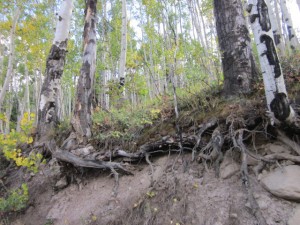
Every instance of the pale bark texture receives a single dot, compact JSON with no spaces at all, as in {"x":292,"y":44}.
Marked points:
{"x":298,"y":3}
{"x":277,"y":14}
{"x":82,"y":119}
{"x":234,"y":42}
{"x":27,"y":91}
{"x":106,"y":73}
{"x":11,"y":57}
{"x":49,"y":112}
{"x":196,"y":22}
{"x":123,"y":41}
{"x":276,"y":28}
{"x":275,"y":90}
{"x":293,"y":41}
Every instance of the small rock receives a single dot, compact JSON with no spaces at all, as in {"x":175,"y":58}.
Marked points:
{"x":62,"y":183}
{"x":248,"y":205}
{"x":228,"y":167}
{"x":218,"y":223}
{"x":233,"y":215}
{"x":284,"y":183}
{"x":259,"y":177}
{"x":263,"y":204}
{"x":295,"y":219}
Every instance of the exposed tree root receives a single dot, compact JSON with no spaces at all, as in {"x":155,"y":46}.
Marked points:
{"x":203,"y":147}
{"x":293,"y":145}
{"x":77,"y":161}
{"x":245,"y":178}
{"x":214,"y":147}
{"x":206,"y":126}
{"x":152,"y":169}
{"x":283,"y":156}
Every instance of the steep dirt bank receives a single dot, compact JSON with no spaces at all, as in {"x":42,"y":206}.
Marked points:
{"x":183,"y":193}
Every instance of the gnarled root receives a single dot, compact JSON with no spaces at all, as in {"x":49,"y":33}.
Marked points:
{"x":213,"y":122}
{"x":245,"y":178}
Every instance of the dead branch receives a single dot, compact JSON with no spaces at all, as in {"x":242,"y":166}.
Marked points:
{"x":77,"y":161}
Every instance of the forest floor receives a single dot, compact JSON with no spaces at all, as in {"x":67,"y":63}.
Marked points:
{"x":183,"y":193}
{"x":173,"y":188}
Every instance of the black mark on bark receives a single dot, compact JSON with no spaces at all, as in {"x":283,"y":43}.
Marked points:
{"x":271,"y":54}
{"x":276,"y":38}
{"x":280,"y":106}
{"x":264,"y":19}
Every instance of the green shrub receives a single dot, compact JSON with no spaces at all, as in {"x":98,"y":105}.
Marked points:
{"x":9,"y":143}
{"x":16,"y":200}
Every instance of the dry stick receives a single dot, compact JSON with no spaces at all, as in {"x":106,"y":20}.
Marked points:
{"x":207,"y":125}
{"x":245,"y":178}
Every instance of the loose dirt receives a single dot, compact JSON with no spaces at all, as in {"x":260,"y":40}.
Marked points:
{"x":182,"y":192}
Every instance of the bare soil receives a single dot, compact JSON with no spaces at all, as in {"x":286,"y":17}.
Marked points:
{"x":183,"y":192}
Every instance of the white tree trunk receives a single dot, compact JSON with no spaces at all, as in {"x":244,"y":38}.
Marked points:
{"x":50,"y":105}
{"x":37,"y":91}
{"x":9,"y":105}
{"x":293,"y":41}
{"x":106,"y":77}
{"x":123,"y":41}
{"x":1,"y":58}
{"x":11,"y":56}
{"x":275,"y":90}
{"x":298,"y":3}
{"x":27,"y":92}
{"x":276,"y":28}
{"x":196,"y":22}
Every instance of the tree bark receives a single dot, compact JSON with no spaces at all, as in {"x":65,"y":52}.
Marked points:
{"x":49,"y":113}
{"x":276,"y":28}
{"x":279,"y":26}
{"x":276,"y":94}
{"x":234,"y":43}
{"x":11,"y":57}
{"x":27,"y":91}
{"x":293,"y":41}
{"x":81,"y":120}
{"x":298,"y":3}
{"x":123,"y":41}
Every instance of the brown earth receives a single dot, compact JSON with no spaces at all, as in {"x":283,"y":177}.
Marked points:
{"x":183,"y":192}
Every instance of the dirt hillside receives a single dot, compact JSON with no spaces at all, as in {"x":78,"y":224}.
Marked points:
{"x":183,"y":192}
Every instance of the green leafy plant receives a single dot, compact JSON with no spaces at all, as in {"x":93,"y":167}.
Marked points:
{"x":16,"y":200}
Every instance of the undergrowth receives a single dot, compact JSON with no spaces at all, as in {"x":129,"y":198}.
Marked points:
{"x":15,"y":200}
{"x":9,"y":145}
